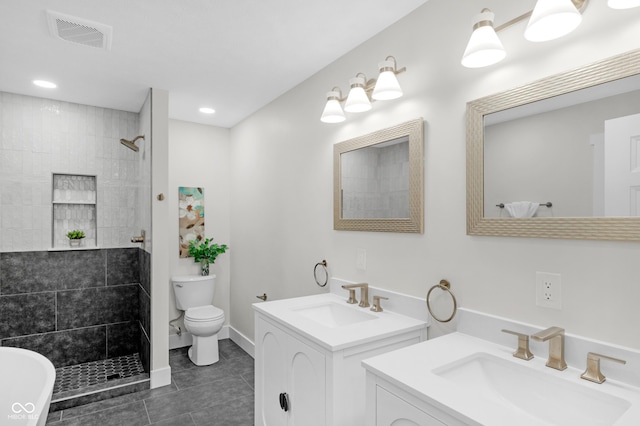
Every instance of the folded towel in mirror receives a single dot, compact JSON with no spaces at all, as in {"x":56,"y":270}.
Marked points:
{"x":521,"y":208}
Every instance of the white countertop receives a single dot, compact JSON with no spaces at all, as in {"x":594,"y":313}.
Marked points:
{"x":384,"y":325}
{"x":411,"y":369}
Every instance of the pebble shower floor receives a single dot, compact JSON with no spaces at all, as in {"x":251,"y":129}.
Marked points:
{"x":96,"y":372}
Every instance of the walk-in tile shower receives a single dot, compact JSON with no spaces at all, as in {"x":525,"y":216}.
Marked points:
{"x":87,"y":309}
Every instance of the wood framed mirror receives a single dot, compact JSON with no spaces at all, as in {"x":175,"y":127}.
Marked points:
{"x":601,"y":222}
{"x":379,"y":180}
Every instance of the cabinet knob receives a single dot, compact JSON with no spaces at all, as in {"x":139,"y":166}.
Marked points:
{"x":284,"y":401}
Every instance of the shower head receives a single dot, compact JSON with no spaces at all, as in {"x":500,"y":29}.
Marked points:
{"x":132,"y":144}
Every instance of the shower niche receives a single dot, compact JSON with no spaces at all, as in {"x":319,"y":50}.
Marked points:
{"x":74,"y":199}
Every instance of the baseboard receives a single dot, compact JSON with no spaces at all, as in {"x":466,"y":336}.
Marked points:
{"x":243,"y":341}
{"x":160,"y":377}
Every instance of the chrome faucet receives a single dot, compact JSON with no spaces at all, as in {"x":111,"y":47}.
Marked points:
{"x":364,"y":294}
{"x":555,"y":336}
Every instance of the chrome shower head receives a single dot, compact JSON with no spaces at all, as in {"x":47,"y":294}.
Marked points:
{"x":132,"y":144}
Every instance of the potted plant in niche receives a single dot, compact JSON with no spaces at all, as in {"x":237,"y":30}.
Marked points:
{"x":205,"y":252}
{"x":75,"y":237}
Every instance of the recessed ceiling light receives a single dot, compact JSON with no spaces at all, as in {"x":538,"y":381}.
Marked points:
{"x":45,"y":84}
{"x":207,"y":110}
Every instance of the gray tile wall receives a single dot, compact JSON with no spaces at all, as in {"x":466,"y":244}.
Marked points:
{"x":144,"y":309}
{"x":76,"y":306}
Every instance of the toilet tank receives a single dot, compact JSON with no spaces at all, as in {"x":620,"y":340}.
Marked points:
{"x":193,"y":290}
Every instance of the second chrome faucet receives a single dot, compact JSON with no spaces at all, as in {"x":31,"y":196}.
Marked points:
{"x":555,"y":336}
{"x":364,"y":294}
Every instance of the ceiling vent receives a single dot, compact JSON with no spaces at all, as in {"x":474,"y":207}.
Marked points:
{"x":80,"y":31}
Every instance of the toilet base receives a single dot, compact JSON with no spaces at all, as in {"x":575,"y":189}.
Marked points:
{"x":204,"y":350}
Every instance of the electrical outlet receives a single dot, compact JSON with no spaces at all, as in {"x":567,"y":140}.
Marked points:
{"x":361,"y":259}
{"x":548,"y":290}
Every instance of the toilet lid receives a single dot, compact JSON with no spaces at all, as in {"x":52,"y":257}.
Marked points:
{"x":204,"y":313}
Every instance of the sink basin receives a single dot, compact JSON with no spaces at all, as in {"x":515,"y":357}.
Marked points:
{"x":334,"y":315}
{"x":548,"y":398}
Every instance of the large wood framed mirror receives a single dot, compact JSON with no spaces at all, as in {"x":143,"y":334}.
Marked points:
{"x":586,"y":183}
{"x":379,"y":180}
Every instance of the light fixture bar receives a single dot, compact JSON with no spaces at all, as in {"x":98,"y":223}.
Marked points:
{"x":363,"y":91}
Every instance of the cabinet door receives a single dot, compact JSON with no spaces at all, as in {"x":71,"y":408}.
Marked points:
{"x":393,"y":411}
{"x":306,"y":385}
{"x":271,"y":374}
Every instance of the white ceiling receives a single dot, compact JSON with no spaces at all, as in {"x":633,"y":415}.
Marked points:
{"x":233,"y":55}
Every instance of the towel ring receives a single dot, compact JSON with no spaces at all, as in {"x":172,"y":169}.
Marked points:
{"x":444,"y":285}
{"x":326,"y":273}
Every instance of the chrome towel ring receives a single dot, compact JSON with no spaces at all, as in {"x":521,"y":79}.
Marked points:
{"x":326,"y":273}
{"x":443,"y":285}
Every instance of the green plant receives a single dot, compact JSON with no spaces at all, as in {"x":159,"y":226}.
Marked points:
{"x":205,"y":250}
{"x":75,"y":235}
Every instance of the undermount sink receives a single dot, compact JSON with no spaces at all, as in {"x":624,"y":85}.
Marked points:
{"x":334,"y":315}
{"x":548,"y":398}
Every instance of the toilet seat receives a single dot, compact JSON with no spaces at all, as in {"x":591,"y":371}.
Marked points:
{"x":203,"y":313}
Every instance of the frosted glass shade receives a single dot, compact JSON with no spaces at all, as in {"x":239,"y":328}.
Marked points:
{"x":552,"y":19}
{"x":357,"y":101}
{"x":623,"y":4}
{"x":332,"y":112}
{"x":387,"y":86}
{"x":484,"y":47}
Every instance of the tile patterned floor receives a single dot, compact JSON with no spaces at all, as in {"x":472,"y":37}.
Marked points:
{"x":217,"y":395}
{"x":96,"y":372}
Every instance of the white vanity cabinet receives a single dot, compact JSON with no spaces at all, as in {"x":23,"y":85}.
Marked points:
{"x":288,"y":369}
{"x":389,"y":405}
{"x":323,"y":379}
{"x":392,"y":410}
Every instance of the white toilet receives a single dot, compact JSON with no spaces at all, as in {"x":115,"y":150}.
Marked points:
{"x":194,"y":295}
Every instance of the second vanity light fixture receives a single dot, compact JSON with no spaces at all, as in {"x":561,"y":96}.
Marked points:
{"x":363,"y":91}
{"x":549,"y":19}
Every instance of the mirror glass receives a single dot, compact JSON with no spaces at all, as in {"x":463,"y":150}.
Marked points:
{"x":560,"y":157}
{"x":573,"y":155}
{"x":374,"y":181}
{"x":378,"y":180}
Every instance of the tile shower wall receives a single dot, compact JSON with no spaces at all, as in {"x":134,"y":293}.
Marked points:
{"x":40,"y":137}
{"x":76,"y":306}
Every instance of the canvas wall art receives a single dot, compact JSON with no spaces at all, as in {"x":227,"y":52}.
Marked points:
{"x":191,"y":222}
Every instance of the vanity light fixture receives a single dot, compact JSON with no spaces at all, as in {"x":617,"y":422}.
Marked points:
{"x":362,"y":91}
{"x":332,"y":110}
{"x":549,"y":19}
{"x":387,"y":86}
{"x":552,"y":19}
{"x":623,"y":4}
{"x":484,"y":47}
{"x":45,"y":84}
{"x":358,"y":99}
